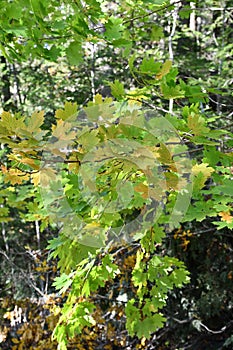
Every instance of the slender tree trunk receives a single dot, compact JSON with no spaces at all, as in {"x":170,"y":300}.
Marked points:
{"x":37,"y":228}
{"x":4,"y":236}
{"x":6,"y":93}
{"x":172,"y":29}
{"x":192,"y":18}
{"x":92,"y":70}
{"x":17,"y":85}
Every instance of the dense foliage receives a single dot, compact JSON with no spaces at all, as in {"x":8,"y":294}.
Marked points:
{"x":116,"y":175}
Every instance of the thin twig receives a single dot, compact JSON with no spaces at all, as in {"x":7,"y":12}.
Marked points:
{"x":152,"y":12}
{"x":29,"y":282}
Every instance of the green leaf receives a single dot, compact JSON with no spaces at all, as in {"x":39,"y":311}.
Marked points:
{"x":185,"y":12}
{"x":126,"y":43}
{"x":225,"y":189}
{"x":180,"y":277}
{"x":74,"y":53}
{"x":114,"y":28}
{"x":156,"y":2}
{"x":199,"y":211}
{"x":171,"y":91}
{"x":13,"y":10}
{"x":86,"y":288}
{"x":149,"y":66}
{"x":63,"y":282}
{"x":117,"y":89}
{"x":125,"y":192}
{"x":156,"y":33}
{"x":69,"y":111}
{"x":150,"y":325}
{"x":222,"y":224}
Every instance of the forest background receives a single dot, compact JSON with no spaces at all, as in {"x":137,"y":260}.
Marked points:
{"x":81,"y":83}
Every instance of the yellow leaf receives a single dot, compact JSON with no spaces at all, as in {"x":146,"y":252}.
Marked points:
{"x":35,"y":121}
{"x":136,"y":96}
{"x":165,"y":156}
{"x":165,"y":69}
{"x":27,"y":335}
{"x":143,"y":341}
{"x":15,"y":340}
{"x":202,"y":168}
{"x":73,"y":164}
{"x":63,"y":132}
{"x":31,"y":162}
{"x":14,"y":176}
{"x":197,"y":125}
{"x":172,"y":180}
{"x":226,"y":216}
{"x":185,"y":243}
{"x":98,"y":99}
{"x":92,"y":225}
{"x":35,"y":177}
{"x":201,"y":173}
{"x":3,"y":334}
{"x":12,"y":123}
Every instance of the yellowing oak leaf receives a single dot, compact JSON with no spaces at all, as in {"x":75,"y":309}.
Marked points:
{"x":201,"y":173}
{"x":196,"y":125}
{"x":12,"y":123}
{"x":31,"y":162}
{"x":69,"y":111}
{"x":14,"y":176}
{"x":165,"y":69}
{"x":35,"y":178}
{"x":35,"y":121}
{"x":63,"y":133}
{"x":47,"y":175}
{"x":172,"y":180}
{"x":24,"y":160}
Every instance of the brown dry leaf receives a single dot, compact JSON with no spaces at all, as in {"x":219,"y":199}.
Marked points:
{"x":3,"y":334}
{"x":143,"y":189}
